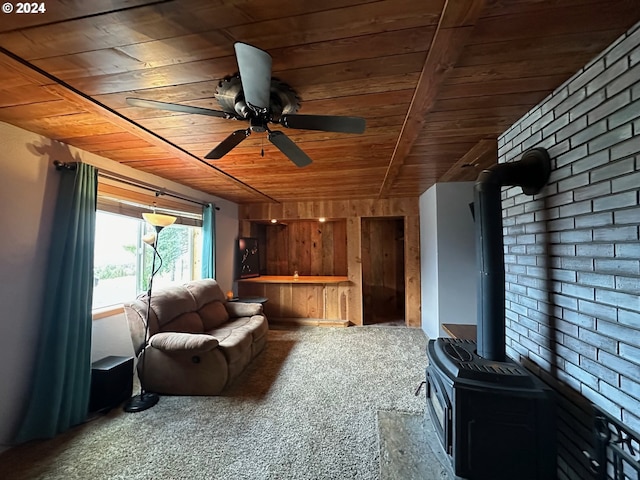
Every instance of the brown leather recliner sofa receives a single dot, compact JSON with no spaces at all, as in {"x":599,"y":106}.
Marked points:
{"x":198,"y":341}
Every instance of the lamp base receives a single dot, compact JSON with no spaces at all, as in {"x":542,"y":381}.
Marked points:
{"x":139,"y":403}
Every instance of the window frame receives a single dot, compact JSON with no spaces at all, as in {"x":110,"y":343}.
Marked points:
{"x":128,"y":200}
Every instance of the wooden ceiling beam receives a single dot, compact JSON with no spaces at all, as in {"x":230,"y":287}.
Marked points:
{"x":456,"y":24}
{"x":481,"y":155}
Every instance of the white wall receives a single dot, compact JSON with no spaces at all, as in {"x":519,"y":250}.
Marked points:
{"x":28,"y":186}
{"x":447,"y":250}
{"x":429,"y":263}
{"x":110,"y":336}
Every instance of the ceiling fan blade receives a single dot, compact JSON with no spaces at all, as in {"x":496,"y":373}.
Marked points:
{"x":290,"y":149}
{"x":228,"y":144}
{"x":326,"y":123}
{"x":176,"y":107}
{"x":255,"y":74}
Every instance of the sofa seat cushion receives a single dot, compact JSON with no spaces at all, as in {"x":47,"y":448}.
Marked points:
{"x":237,"y":335}
{"x":241,"y":309}
{"x":178,"y":342}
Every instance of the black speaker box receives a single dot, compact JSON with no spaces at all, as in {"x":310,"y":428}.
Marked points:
{"x":111,"y":382}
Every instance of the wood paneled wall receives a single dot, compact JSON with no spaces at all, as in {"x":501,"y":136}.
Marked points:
{"x":308,"y":246}
{"x":353,"y":211}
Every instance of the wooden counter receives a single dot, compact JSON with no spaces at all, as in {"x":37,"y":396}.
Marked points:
{"x":322,"y":299}
{"x":459,"y":330}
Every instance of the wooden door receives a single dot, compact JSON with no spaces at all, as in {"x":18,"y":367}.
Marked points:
{"x":383,"y":289}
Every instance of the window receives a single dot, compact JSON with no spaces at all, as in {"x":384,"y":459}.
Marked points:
{"x":122,"y":261}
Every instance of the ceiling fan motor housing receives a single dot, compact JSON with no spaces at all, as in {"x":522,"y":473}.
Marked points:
{"x":229,"y":94}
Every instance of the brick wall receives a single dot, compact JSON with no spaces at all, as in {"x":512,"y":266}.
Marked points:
{"x":572,"y":253}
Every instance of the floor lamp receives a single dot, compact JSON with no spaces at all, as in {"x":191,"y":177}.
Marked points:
{"x":145,"y":399}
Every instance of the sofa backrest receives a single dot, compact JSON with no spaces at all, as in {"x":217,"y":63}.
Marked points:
{"x":209,"y":302}
{"x":194,"y":307}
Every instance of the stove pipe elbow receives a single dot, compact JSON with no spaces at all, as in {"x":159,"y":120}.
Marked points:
{"x":531,"y":173}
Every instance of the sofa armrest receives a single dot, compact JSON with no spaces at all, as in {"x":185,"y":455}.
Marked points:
{"x":240,"y":309}
{"x":180,"y":342}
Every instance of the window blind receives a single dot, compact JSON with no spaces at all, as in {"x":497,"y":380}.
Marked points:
{"x":133,"y":202}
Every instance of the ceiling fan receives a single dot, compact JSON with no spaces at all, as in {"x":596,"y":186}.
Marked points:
{"x":252,"y":95}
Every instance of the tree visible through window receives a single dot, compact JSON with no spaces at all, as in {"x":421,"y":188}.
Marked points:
{"x":122,"y":261}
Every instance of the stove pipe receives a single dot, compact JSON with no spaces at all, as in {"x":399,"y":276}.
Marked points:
{"x":531,"y":173}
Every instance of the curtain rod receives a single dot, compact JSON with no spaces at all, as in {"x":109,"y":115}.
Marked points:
{"x":65,"y":165}
{"x":151,"y":188}
{"x":134,"y":183}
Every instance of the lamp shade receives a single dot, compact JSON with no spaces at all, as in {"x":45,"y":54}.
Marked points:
{"x":149,"y":238}
{"x":158,"y":219}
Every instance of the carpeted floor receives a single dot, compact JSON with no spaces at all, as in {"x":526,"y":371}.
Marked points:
{"x":307,"y":408}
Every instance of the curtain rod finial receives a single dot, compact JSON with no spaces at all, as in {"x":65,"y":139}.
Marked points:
{"x":64,"y":166}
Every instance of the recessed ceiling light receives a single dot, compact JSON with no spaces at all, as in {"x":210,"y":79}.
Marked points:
{"x":322,"y":219}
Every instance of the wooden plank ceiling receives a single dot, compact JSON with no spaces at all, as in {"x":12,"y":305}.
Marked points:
{"x":437,"y":82}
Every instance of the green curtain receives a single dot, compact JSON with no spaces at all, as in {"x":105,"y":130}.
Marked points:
{"x":59,"y":396}
{"x":208,"y":241}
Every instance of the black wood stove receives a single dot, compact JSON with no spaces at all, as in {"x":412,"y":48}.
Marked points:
{"x":494,"y":418}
